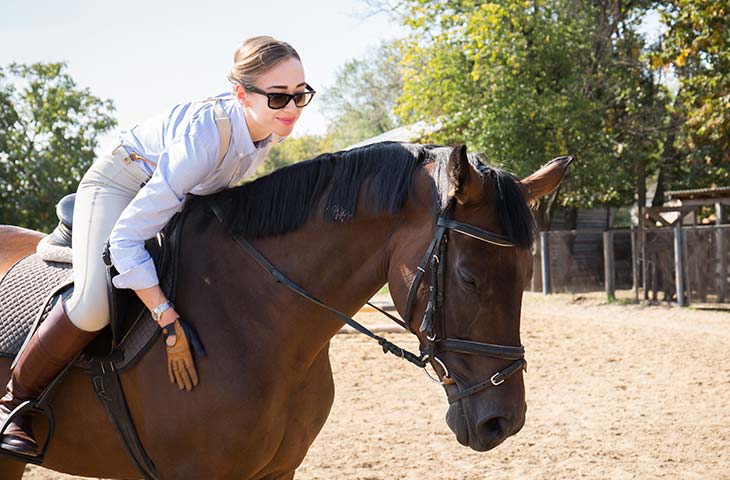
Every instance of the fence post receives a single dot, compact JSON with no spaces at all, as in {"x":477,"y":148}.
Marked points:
{"x":634,"y":267}
{"x":545,"y":250}
{"x":608,"y":265}
{"x":721,"y":263}
{"x":679,"y":265}
{"x":536,"y":283}
{"x":642,"y":245}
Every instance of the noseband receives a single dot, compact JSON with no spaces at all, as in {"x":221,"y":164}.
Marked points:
{"x":433,"y":323}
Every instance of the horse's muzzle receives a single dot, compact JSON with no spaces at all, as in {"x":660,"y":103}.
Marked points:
{"x":485,"y":433}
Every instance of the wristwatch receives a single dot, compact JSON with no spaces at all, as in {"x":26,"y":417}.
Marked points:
{"x":160,"y":309}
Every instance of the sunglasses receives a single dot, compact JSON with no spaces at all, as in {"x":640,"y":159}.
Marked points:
{"x":278,"y":101}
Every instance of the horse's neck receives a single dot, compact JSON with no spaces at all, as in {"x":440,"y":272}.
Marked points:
{"x":342,"y":265}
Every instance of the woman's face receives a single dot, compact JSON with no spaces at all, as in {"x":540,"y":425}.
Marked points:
{"x":287,"y":77}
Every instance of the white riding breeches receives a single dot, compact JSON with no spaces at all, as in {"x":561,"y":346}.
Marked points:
{"x":104,"y":192}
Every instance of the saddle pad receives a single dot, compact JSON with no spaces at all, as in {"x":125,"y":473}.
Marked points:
{"x":30,"y":286}
{"x":25,"y":290}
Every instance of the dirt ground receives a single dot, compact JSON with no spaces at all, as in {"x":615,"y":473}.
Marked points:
{"x":614,"y":392}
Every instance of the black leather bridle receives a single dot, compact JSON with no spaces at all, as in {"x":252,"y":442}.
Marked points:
{"x":433,"y":323}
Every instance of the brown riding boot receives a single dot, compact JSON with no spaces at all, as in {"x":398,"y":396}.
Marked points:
{"x":56,"y":342}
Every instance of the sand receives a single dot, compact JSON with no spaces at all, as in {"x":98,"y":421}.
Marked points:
{"x":614,"y":391}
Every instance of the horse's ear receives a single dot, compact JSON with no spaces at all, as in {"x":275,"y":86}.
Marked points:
{"x":546,"y":179}
{"x":465,"y":182}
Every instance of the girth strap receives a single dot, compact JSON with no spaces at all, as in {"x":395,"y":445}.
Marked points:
{"x":105,"y":381}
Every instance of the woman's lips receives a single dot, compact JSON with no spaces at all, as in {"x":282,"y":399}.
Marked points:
{"x":287,"y":121}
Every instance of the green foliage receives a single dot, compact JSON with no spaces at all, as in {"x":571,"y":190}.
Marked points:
{"x":293,"y":150}
{"x":48,"y":131}
{"x":360,"y":104}
{"x":696,"y":47}
{"x":362,"y":98}
{"x":525,"y":81}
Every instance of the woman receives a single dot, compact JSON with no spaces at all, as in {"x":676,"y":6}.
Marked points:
{"x":129,"y":195}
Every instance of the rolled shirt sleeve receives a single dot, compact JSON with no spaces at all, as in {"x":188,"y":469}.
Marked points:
{"x":181,"y":166}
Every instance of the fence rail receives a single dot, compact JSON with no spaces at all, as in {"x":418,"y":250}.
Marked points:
{"x":642,"y":264}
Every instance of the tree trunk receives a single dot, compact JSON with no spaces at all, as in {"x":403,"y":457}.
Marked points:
{"x":669,"y":158}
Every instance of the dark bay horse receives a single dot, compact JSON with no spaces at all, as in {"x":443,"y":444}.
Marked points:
{"x":341,"y":225}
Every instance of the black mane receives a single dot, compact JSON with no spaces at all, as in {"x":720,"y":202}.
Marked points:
{"x":283,"y":200}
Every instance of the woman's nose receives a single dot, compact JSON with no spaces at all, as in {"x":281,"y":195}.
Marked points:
{"x":290,"y":107}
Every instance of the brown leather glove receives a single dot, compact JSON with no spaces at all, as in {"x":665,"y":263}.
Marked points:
{"x":180,"y":364}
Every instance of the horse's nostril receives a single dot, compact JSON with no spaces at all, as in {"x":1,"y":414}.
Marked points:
{"x":494,"y":429}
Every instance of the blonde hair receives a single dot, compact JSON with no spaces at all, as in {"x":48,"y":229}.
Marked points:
{"x":258,"y":55}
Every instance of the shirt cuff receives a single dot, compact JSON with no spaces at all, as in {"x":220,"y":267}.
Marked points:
{"x":139,"y":277}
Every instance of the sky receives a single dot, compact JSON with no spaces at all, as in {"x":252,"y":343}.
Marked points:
{"x":150,"y":55}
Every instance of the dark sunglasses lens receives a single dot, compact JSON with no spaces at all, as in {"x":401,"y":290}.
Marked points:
{"x":303,"y":99}
{"x":278,"y":100}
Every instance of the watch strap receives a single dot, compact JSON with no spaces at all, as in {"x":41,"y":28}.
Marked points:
{"x":160,"y":309}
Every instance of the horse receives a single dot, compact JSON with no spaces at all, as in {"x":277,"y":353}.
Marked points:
{"x":340,"y":225}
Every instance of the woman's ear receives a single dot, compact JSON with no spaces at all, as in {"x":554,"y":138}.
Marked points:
{"x":241,"y":96}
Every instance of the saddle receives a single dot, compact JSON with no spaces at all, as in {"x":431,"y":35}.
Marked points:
{"x":31,"y":287}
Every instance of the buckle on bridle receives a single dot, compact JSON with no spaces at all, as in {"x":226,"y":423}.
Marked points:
{"x":495,"y":376}
{"x":446,"y":379}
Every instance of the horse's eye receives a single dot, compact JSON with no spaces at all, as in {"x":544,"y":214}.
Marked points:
{"x":466,"y":280}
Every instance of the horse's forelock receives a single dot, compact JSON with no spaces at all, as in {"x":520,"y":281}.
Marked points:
{"x":513,"y":212}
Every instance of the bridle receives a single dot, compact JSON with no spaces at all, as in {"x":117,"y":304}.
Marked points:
{"x":433,"y":323}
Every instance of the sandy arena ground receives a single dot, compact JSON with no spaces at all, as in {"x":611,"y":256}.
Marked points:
{"x":614,"y":392}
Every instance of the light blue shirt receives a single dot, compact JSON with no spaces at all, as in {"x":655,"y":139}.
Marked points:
{"x":185,"y":145}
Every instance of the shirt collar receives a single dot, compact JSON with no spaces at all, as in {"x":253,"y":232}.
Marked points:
{"x":263,"y":143}
{"x":241,"y":136}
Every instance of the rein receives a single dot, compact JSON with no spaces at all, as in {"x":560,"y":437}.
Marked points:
{"x":437,"y":342}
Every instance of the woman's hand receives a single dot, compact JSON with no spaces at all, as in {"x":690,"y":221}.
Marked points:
{"x":180,"y":365}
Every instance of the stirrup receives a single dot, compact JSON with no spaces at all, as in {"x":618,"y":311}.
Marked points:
{"x":39,"y":406}
{"x":34,"y":408}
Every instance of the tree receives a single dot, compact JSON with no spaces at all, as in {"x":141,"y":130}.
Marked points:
{"x":293,"y":150}
{"x":361,"y":101}
{"x":696,"y":48}
{"x":527,"y":80}
{"x":48,"y":131}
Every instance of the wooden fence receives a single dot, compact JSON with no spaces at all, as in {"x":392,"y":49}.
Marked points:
{"x":679,"y":264}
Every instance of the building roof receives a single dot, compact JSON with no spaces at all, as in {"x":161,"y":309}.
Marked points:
{"x":699,"y":193}
{"x":406,"y":133}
